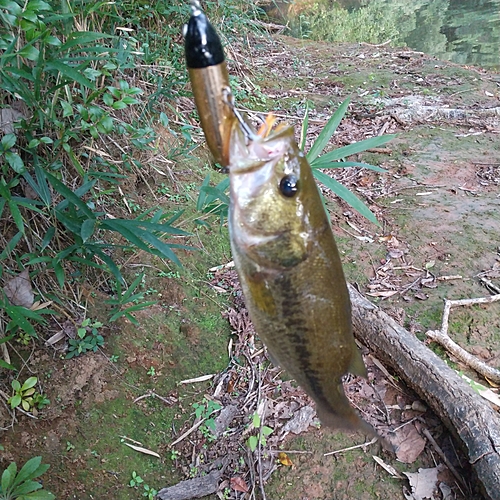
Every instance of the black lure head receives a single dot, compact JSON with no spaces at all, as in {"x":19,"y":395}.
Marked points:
{"x":201,"y":43}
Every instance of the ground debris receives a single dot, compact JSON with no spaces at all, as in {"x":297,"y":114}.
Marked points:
{"x":259,"y":409}
{"x":424,"y":483}
{"x":192,"y":488}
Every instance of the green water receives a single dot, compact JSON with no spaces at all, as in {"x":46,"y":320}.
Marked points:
{"x":462,"y":31}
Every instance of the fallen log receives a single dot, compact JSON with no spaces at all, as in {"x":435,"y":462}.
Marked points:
{"x":192,"y":488}
{"x":470,"y":418}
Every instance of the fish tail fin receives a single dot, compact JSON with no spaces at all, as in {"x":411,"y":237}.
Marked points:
{"x":350,"y":422}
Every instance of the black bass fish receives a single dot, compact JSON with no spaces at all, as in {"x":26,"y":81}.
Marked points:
{"x":290,"y":270}
{"x":283,"y":248}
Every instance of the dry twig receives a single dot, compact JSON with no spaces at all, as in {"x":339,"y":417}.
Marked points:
{"x":441,"y":336}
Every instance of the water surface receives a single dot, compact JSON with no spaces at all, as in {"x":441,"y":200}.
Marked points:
{"x":463,"y":31}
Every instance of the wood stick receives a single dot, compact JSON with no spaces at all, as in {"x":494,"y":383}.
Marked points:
{"x":461,"y":409}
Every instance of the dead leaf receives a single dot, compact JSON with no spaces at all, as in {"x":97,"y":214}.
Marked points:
{"x":408,"y":443}
{"x":239,"y":484}
{"x":388,"y":293}
{"x":284,"y":459}
{"x":421,"y":296}
{"x":446,"y":491}
{"x":301,"y":420}
{"x":8,"y":116}
{"x":424,"y":482}
{"x":18,"y":290}
{"x":143,"y":450}
{"x":395,"y":253}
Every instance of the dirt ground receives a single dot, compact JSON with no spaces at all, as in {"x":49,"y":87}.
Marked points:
{"x":439,"y":208}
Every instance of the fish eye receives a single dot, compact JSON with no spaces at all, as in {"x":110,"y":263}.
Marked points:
{"x":289,"y":186}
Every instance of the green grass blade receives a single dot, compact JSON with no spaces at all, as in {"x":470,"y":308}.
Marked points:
{"x":303,"y":129}
{"x":70,"y":196}
{"x":111,"y":265}
{"x":16,"y":215}
{"x":326,"y":134}
{"x":70,"y":72}
{"x":346,"y":195}
{"x":352,"y":149}
{"x":202,"y":195}
{"x":10,"y":245}
{"x":163,"y":248}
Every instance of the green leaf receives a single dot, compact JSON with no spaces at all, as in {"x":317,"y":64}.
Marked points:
{"x":16,"y":385}
{"x":67,"y":108}
{"x":8,"y":140}
{"x":27,"y":486}
{"x":266,"y":431}
{"x":256,"y":420}
{"x":252,"y":443}
{"x":11,"y":244}
{"x":15,"y":161}
{"x":136,"y":307}
{"x":88,"y":227}
{"x":118,"y":105}
{"x":59,"y":272}
{"x":70,"y":196}
{"x":30,"y":382}
{"x":216,"y":194}
{"x":40,"y":495}
{"x":16,"y":215}
{"x":357,"y":147}
{"x":200,"y":203}
{"x":15,"y":401}
{"x":303,"y":130}
{"x":4,"y":364}
{"x":35,"y":5}
{"x":327,"y":132}
{"x":71,"y":73}
{"x":7,"y":478}
{"x":30,"y":52}
{"x":82,"y":38}
{"x":47,"y":237}
{"x":345,"y":194}
{"x":163,"y":248}
{"x":111,"y":265}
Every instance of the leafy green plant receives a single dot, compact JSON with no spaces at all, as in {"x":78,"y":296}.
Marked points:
{"x":120,"y":307}
{"x":21,"y":320}
{"x":205,"y":411}
{"x":334,"y":159}
{"x":136,"y":480}
{"x":264,"y":431}
{"x":21,"y":485}
{"x":71,"y":83}
{"x":88,"y":339}
{"x":26,"y":396}
{"x":213,"y":200}
{"x":149,"y":493}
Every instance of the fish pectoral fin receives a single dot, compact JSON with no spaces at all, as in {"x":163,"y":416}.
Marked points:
{"x":357,"y":365}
